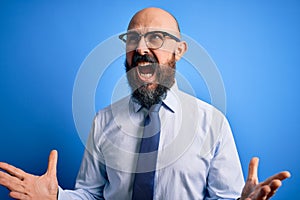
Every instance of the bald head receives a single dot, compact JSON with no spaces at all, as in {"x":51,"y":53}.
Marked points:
{"x":155,"y":18}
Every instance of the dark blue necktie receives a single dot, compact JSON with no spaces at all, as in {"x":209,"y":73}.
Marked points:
{"x":143,"y":185}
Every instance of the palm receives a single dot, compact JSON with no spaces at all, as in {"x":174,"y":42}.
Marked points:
{"x":27,"y":186}
{"x":40,"y":187}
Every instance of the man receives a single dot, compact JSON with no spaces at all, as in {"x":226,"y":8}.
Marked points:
{"x":195,"y":158}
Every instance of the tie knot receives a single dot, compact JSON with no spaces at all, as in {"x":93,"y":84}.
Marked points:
{"x":154,"y":108}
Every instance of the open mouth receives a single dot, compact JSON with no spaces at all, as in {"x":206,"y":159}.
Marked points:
{"x":146,"y":71}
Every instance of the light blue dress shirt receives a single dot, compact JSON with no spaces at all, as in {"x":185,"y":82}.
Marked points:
{"x":197,"y":156}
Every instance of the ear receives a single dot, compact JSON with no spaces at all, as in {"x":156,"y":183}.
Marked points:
{"x":180,"y":50}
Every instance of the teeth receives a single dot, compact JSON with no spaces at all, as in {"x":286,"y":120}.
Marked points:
{"x":146,"y":75}
{"x":143,"y":63}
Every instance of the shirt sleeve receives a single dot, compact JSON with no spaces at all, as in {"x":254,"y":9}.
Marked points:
{"x":91,"y":178}
{"x":225,"y":178}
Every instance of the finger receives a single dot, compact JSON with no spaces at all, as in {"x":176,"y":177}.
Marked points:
{"x":263,"y":192}
{"x":52,"y":163}
{"x":10,"y":182}
{"x":252,"y":170}
{"x":274,"y":185}
{"x":13,"y":170}
{"x":279,"y":176}
{"x":17,"y":195}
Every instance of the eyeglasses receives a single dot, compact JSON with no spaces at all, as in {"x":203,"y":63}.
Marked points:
{"x":154,"y":39}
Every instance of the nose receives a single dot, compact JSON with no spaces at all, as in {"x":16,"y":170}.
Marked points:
{"x":142,"y":48}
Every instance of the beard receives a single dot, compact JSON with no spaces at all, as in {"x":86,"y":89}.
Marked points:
{"x":148,"y":94}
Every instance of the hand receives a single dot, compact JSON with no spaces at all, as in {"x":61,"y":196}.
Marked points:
{"x":26,"y":186}
{"x":253,"y":190}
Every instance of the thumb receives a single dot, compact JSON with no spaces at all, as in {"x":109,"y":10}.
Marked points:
{"x":252,"y":170}
{"x":52,"y":163}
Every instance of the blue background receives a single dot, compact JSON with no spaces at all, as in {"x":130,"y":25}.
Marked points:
{"x":255,"y":45}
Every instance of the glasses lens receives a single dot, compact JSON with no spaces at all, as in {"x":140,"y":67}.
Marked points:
{"x":132,"y":39}
{"x":154,"y":39}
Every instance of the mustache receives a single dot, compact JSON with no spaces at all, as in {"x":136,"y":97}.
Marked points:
{"x":142,"y":58}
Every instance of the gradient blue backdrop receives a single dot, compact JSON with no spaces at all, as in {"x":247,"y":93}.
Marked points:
{"x":255,"y":45}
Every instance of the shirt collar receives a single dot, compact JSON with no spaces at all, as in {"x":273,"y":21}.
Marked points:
{"x":171,"y":100}
{"x":135,"y":105}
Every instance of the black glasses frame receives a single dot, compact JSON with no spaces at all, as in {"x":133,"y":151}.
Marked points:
{"x":165,"y":34}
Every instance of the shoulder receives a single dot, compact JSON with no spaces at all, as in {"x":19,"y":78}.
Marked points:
{"x":194,"y":104}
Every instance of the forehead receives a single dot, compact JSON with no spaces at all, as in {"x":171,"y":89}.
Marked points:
{"x":147,"y":30}
{"x":152,"y":20}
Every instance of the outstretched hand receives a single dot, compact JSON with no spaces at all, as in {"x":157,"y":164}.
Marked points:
{"x":26,"y":186}
{"x":253,"y":190}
